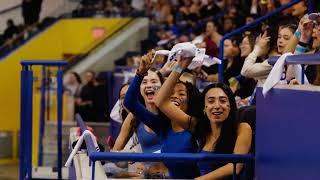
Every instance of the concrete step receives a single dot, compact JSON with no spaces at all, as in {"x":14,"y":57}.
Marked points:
{"x":48,"y":173}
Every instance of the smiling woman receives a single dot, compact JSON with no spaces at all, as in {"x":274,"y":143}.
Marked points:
{"x":176,"y":118}
{"x":220,"y":132}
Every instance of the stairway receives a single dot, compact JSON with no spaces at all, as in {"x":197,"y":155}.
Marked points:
{"x":101,"y":130}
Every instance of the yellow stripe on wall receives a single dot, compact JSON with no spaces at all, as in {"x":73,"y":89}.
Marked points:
{"x":70,"y":36}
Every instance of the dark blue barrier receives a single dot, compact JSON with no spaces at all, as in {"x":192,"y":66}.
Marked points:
{"x":26,"y":110}
{"x":303,"y":59}
{"x":174,"y":157}
{"x":182,"y":157}
{"x":310,"y":59}
{"x":246,"y":27}
{"x":287,"y":134}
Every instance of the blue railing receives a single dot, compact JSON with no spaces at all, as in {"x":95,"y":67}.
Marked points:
{"x":173,"y":157}
{"x":303,"y":59}
{"x":26,"y":108}
{"x":255,"y":22}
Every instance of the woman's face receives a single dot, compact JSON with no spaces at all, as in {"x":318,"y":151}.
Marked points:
{"x":71,"y":79}
{"x":150,"y":86}
{"x":316,"y":38}
{"x":245,"y":47}
{"x":217,"y":105}
{"x":228,"y":46}
{"x":122,"y":94}
{"x":284,"y":36}
{"x":210,"y":28}
{"x":299,"y":9}
{"x":179,"y":97}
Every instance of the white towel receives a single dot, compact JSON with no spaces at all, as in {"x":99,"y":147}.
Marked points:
{"x":188,"y":49}
{"x":275,"y":75}
{"x":115,"y":113}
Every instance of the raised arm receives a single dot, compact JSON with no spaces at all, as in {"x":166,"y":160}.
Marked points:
{"x":302,"y":34}
{"x":298,"y":43}
{"x":125,"y":133}
{"x":251,"y":68}
{"x":242,"y":146}
{"x":163,"y":102}
{"x":131,"y":101}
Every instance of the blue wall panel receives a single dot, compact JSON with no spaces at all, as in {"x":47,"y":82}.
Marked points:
{"x":288,"y":135}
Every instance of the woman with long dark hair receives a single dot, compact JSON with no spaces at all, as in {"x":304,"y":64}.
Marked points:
{"x":217,"y":132}
{"x":220,"y":132}
{"x":175,"y":136}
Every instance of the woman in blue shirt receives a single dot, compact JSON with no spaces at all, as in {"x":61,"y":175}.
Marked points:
{"x":175,"y":137}
{"x":218,"y":130}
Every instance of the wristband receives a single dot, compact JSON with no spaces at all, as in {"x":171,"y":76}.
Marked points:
{"x":300,"y":49}
{"x":303,"y":44}
{"x":297,"y":34}
{"x":140,"y":74}
{"x":177,"y":68}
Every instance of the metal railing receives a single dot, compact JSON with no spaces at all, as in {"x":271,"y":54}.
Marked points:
{"x":155,"y":157}
{"x":26,"y":109}
{"x":303,"y":59}
{"x":255,"y":22}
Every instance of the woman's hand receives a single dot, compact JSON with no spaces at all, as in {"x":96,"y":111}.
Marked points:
{"x":167,"y":68}
{"x":306,"y":28}
{"x":263,"y":40}
{"x":184,"y":62}
{"x":262,"y":44}
{"x":145,"y":63}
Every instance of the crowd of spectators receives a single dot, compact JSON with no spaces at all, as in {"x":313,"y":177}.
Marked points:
{"x":172,"y":109}
{"x":16,"y":34}
{"x":225,"y":113}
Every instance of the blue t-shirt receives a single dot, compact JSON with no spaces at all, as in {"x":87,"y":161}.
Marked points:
{"x":180,"y":142}
{"x":149,"y":141}
{"x":172,"y":142}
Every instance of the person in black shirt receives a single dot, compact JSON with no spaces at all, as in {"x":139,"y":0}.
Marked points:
{"x":11,"y":30}
{"x":211,"y":9}
{"x":84,"y":104}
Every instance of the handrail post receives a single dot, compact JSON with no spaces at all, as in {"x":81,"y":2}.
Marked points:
{"x":29,"y":123}
{"x":310,"y":7}
{"x":23,"y":109}
{"x":59,"y":118}
{"x":42,"y":115}
{"x":243,"y":28}
{"x":93,"y":169}
{"x":26,"y":112}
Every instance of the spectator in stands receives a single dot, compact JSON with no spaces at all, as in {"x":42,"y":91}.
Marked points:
{"x":31,"y":10}
{"x":263,"y":49}
{"x":84,"y":104}
{"x":299,"y":9}
{"x":212,"y":39}
{"x":100,"y":99}
{"x":72,"y":84}
{"x":220,"y":132}
{"x":245,"y":85}
{"x":209,"y":9}
{"x":299,"y":43}
{"x":149,"y":141}
{"x":228,"y":24}
{"x":11,"y":30}
{"x":176,"y":108}
{"x":232,"y":64}
{"x":118,"y":114}
{"x":174,"y":135}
